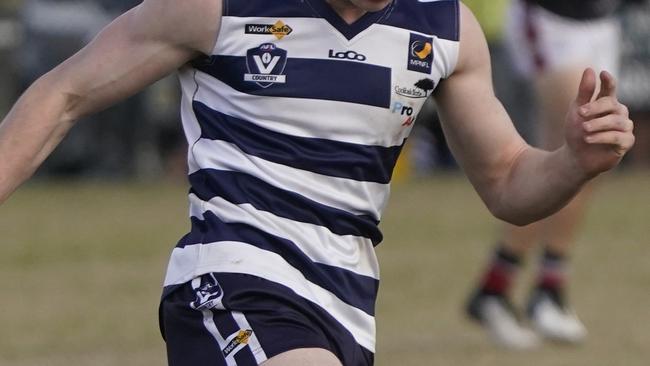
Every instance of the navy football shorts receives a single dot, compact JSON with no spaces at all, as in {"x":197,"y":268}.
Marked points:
{"x":236,"y":319}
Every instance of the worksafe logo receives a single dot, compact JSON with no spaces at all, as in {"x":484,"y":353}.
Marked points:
{"x":266,"y":65}
{"x":239,"y":340}
{"x":279,"y":29}
{"x":420,"y":53}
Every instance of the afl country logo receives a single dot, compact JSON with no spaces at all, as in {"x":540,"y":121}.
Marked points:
{"x":265,"y":65}
{"x":420,"y":57}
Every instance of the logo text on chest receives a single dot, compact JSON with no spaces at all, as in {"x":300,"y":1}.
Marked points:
{"x":266,"y":65}
{"x":420,"y":53}
{"x":279,"y":29}
{"x":421,"y":89}
{"x":347,"y":55}
{"x":405,"y":111}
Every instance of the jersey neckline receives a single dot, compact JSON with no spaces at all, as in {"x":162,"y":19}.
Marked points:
{"x":349,"y":31}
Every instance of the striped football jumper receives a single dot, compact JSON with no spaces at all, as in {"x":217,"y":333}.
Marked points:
{"x":295,"y":123}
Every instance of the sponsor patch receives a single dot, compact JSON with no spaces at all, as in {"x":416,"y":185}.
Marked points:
{"x":347,"y":55}
{"x":279,"y":29}
{"x":265,"y":65}
{"x":420,"y":56}
{"x":406,"y":111}
{"x":240,"y":338}
{"x":421,"y":89}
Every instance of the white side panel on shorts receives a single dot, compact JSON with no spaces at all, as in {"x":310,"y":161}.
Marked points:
{"x":253,"y":342}
{"x":208,"y":322}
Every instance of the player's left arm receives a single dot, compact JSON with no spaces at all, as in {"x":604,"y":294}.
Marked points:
{"x":521,"y":184}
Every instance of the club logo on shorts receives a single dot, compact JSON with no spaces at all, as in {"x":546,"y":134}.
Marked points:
{"x":420,"y":57}
{"x":266,"y":65}
{"x":240,"y":338}
{"x":209,"y":294}
{"x":279,"y":29}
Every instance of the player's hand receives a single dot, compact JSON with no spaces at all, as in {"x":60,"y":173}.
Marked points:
{"x":598,"y":132}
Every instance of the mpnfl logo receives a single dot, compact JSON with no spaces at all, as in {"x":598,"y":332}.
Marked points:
{"x":420,"y":56}
{"x":266,"y":65}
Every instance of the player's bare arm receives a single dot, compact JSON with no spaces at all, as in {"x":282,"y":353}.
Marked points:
{"x":138,"y":48}
{"x":519,"y":183}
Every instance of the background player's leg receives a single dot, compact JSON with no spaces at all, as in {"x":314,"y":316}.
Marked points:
{"x":304,"y":357}
{"x":548,"y":308}
{"x":555,"y":91}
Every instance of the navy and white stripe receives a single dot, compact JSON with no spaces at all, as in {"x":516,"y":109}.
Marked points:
{"x":338,"y":81}
{"x":289,"y":180}
{"x":356,"y":125}
{"x":243,"y":189}
{"x":322,"y":156}
{"x":357,"y":197}
{"x":351,"y":287}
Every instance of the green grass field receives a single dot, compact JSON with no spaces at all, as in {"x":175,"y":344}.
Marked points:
{"x":81,"y":267}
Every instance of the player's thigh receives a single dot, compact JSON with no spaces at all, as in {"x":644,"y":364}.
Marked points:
{"x":556,"y":89}
{"x":304,"y":357}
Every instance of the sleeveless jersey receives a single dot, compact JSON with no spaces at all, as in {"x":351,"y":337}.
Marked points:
{"x":295,"y":123}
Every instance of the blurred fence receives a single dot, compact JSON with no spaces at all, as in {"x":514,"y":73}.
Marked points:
{"x":10,"y":38}
{"x":139,"y":137}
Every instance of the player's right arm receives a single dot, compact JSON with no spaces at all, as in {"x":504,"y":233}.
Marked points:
{"x":518,"y":183}
{"x":138,"y":48}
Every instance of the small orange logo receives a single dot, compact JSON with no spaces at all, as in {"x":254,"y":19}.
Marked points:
{"x":279,"y":29}
{"x":243,"y":336}
{"x":424,"y":52}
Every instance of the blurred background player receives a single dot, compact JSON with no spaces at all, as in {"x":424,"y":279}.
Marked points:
{"x":635,"y":77}
{"x":550,"y":43}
